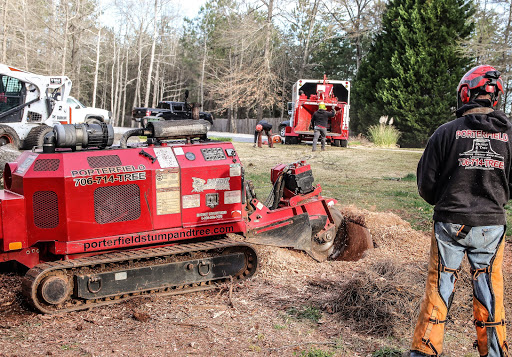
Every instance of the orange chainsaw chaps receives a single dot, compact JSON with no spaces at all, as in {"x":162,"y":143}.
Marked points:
{"x":480,"y":312}
{"x":429,"y":332}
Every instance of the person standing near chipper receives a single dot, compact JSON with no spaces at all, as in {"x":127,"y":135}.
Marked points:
{"x":465,"y":173}
{"x":319,"y":122}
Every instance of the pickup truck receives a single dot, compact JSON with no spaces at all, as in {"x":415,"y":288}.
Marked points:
{"x":80,"y":113}
{"x":168,"y":110}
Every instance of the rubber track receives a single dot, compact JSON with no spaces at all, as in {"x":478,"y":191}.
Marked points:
{"x":76,"y":266}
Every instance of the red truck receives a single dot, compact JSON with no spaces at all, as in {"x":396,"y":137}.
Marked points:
{"x":307,"y":95}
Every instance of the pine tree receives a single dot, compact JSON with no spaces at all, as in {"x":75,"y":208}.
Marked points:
{"x":413,"y":68}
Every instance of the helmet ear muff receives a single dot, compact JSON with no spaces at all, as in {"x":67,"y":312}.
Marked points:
{"x":464,"y":94}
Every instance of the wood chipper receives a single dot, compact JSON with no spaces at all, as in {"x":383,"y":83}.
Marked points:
{"x":97,"y":224}
{"x":306,"y":96}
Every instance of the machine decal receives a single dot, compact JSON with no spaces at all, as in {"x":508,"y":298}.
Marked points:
{"x":212,"y":200}
{"x":191,"y":201}
{"x":132,"y":176}
{"x":107,"y":170}
{"x":205,"y":216}
{"x":231,"y":197}
{"x":167,"y":191}
{"x":166,"y":157}
{"x":200,"y":185}
{"x":26,"y":164}
{"x":162,"y":236}
{"x":235,"y":170}
{"x":178,"y":151}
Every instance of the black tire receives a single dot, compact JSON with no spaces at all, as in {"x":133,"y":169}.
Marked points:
{"x":292,"y":140}
{"x":336,"y":142}
{"x":344,"y":143}
{"x":282,"y":130}
{"x":9,"y":136}
{"x":36,"y":136}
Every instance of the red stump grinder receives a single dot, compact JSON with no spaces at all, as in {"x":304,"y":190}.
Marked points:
{"x":97,"y":224}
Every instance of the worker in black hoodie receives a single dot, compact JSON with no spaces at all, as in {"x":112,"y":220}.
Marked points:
{"x":319,"y":122}
{"x":465,"y":173}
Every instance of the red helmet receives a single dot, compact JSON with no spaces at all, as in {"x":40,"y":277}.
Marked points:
{"x":483,"y":79}
{"x":259,"y":127}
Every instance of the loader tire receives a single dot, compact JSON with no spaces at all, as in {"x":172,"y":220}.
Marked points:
{"x":344,"y":143}
{"x":336,"y":142}
{"x":9,"y":136}
{"x":36,"y":136}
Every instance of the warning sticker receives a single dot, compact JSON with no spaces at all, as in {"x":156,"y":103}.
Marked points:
{"x":235,"y":170}
{"x":166,"y":157}
{"x":25,"y":164}
{"x":191,"y":201}
{"x":231,"y":197}
{"x":167,"y":184}
{"x":168,"y":202}
{"x":167,"y":178}
{"x":178,"y":151}
{"x":211,"y":215}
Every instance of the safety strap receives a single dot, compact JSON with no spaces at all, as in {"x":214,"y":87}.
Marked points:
{"x":463,"y":231}
{"x":430,"y":345}
{"x":476,"y":272}
{"x":489,"y":324}
{"x":437,"y":321}
{"x":455,"y":272}
{"x":432,"y":320}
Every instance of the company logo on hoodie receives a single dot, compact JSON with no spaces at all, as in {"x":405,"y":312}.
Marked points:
{"x":482,"y":156}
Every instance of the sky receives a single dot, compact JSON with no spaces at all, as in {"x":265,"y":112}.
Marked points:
{"x":186,"y":8}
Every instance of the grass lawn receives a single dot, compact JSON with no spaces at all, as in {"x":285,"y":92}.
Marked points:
{"x":367,"y":177}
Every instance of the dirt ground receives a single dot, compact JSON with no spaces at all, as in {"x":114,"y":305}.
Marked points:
{"x":355,"y":309}
{"x":293,"y":306}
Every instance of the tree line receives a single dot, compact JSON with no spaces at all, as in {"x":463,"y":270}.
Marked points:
{"x":239,"y":58}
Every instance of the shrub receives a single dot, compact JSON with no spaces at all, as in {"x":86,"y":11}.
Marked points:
{"x":384,"y":135}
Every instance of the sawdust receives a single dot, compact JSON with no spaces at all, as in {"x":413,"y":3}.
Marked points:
{"x":364,"y":306}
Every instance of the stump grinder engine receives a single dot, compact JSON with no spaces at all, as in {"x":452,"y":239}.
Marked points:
{"x":97,"y":224}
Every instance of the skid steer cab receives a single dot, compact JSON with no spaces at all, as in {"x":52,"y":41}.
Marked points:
{"x":98,"y":224}
{"x":31,"y":104}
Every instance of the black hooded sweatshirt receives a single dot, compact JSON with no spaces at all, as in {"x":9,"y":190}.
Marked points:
{"x":465,"y":168}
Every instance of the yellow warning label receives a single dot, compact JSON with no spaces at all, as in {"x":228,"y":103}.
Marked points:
{"x":167,"y":191}
{"x":168,"y":202}
{"x":167,"y":179}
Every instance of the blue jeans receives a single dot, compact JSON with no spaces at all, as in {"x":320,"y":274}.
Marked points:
{"x":484,"y":248}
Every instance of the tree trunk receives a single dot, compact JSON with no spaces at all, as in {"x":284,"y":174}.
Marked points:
{"x":308,"y":39}
{"x":119,"y":71}
{"x":150,"y":70}
{"x":65,"y":39}
{"x":4,"y":32}
{"x":139,"y":71}
{"x":155,"y":85}
{"x":96,"y":68}
{"x":25,"y":34}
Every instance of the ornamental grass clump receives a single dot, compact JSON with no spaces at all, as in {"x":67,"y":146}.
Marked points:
{"x":384,"y":135}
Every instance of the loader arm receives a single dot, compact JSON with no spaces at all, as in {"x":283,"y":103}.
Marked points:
{"x":18,"y":108}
